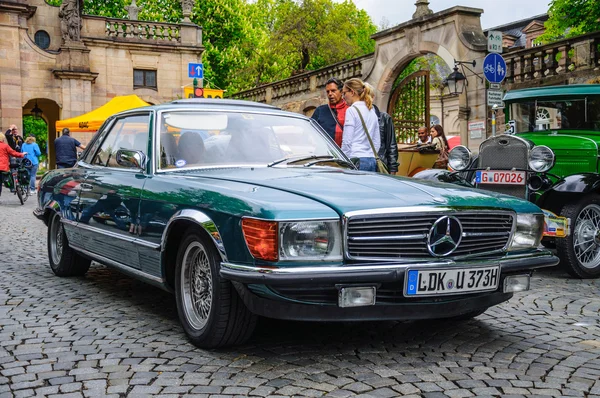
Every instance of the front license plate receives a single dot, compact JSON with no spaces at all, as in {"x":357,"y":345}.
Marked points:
{"x":503,"y":177}
{"x":451,"y":281}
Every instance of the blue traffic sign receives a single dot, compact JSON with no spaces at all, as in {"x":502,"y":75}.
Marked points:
{"x":494,"y":68}
{"x":196,"y":70}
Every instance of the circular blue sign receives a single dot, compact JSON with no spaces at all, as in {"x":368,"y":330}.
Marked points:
{"x":494,"y":68}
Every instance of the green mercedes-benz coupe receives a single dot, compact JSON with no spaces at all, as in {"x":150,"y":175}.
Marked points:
{"x":244,"y":210}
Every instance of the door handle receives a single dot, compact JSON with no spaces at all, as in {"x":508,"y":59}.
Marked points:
{"x":86,"y":187}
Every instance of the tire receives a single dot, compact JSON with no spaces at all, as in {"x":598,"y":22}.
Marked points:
{"x":579,"y":252}
{"x":64,"y":261}
{"x":217,"y":316}
{"x":24,"y":193}
{"x":18,"y":191}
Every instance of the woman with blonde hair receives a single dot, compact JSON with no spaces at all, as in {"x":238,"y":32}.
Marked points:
{"x":5,"y":153}
{"x":438,"y":138}
{"x":361,"y":138}
{"x":32,"y":151}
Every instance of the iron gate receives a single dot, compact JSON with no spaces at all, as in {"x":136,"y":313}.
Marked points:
{"x":409,"y":106}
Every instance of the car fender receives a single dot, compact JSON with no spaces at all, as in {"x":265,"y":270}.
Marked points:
{"x":203,"y":221}
{"x":568,"y":187}
{"x":441,"y":175}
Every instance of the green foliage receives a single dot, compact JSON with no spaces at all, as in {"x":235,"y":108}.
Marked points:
{"x":571,"y":18}
{"x":39,"y":128}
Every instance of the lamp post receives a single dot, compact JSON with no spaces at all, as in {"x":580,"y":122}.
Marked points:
{"x":36,"y":112}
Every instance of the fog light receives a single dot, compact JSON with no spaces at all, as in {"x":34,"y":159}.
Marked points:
{"x":356,"y":296}
{"x":516,"y":283}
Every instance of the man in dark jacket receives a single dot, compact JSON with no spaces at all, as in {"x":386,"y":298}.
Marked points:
{"x":13,"y":139}
{"x":66,"y":149}
{"x":388,"y":151}
{"x":332,"y":116}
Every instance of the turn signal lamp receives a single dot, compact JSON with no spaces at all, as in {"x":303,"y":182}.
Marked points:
{"x":261,"y":238}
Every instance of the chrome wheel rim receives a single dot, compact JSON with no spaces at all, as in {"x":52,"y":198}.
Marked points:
{"x":56,"y":241}
{"x":196,"y":283}
{"x":586,"y":237}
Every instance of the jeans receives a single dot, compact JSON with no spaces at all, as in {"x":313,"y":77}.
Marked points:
{"x":367,"y":164}
{"x":32,"y":174}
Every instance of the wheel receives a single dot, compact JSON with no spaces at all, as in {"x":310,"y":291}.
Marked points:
{"x":210,"y":310}
{"x":579,"y":252}
{"x":24,"y":192}
{"x":64,"y":261}
{"x":19,"y":192}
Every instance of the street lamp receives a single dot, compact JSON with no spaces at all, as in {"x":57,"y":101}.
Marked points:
{"x":36,"y":112}
{"x":457,"y":80}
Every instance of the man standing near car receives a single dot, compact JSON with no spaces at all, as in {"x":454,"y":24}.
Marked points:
{"x":331,"y":116}
{"x":388,"y":151}
{"x":66,"y":149}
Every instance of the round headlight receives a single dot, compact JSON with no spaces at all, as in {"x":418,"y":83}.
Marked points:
{"x":541,"y":159}
{"x":459,"y":158}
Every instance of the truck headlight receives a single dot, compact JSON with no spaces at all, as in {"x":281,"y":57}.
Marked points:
{"x":528,"y":232}
{"x":459,"y":158}
{"x":541,"y":159}
{"x":310,"y":240}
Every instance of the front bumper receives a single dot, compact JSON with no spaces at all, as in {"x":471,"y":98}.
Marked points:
{"x":310,"y":293}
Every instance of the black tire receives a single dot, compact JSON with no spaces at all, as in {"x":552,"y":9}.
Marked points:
{"x":24,"y":193}
{"x":64,"y":261}
{"x":18,"y":191}
{"x":221,"y":319}
{"x":579,"y":253}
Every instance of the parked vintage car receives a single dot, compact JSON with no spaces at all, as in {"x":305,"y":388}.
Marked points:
{"x":275,"y":221}
{"x":551,"y":159}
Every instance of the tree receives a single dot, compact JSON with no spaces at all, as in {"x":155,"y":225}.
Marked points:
{"x":569,"y":18}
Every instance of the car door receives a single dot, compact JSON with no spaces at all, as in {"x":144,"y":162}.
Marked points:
{"x":110,"y":194}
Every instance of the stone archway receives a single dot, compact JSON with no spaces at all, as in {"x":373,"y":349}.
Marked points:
{"x":452,"y":34}
{"x":50,"y":114}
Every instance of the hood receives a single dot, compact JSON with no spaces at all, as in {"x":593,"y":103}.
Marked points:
{"x":347,"y":190}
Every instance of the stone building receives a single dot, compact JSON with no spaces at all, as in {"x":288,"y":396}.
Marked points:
{"x":64,"y":63}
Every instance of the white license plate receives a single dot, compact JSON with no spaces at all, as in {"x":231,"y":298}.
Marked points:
{"x":503,"y":177}
{"x":451,"y":281}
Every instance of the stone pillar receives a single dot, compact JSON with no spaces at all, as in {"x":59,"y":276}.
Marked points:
{"x":422,"y":9}
{"x":186,"y":7}
{"x":133,"y":10}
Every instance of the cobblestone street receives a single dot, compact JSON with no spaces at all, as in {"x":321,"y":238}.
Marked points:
{"x":107,"y":334}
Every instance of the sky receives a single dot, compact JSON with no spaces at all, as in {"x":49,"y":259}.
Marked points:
{"x":496,"y":12}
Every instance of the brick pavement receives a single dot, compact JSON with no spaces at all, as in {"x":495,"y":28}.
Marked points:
{"x":107,"y":334}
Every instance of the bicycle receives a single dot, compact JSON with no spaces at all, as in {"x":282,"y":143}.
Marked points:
{"x":17,"y":180}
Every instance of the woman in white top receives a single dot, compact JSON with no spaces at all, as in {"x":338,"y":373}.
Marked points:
{"x":355,"y":143}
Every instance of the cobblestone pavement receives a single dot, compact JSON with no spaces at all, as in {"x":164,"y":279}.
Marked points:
{"x":107,"y":334}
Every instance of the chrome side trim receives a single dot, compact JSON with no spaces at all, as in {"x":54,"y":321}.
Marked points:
{"x":341,"y":269}
{"x":123,"y":268}
{"x":203,"y":221}
{"x":134,"y":240}
{"x":399,"y":237}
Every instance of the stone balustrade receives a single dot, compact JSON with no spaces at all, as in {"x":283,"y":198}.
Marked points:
{"x":553,"y":62}
{"x":125,"y":30}
{"x":305,"y":83}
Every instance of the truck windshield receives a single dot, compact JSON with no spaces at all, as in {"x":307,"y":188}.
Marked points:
{"x":576,"y":114}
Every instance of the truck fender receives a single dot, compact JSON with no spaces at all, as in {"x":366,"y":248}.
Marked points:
{"x":568,"y":189}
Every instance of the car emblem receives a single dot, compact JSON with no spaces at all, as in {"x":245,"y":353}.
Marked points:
{"x":444,"y":236}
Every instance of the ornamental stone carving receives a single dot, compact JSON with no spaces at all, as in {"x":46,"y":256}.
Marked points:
{"x":70,"y":20}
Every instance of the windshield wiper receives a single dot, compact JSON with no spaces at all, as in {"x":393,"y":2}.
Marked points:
{"x":331,"y":159}
{"x":296,"y":159}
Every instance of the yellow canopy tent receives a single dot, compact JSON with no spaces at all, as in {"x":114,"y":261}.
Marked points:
{"x":91,"y":121}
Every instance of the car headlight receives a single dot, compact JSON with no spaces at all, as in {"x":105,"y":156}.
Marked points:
{"x":310,"y":240}
{"x":541,"y":159}
{"x":315,"y":240}
{"x":529,"y":231}
{"x":459,"y":158}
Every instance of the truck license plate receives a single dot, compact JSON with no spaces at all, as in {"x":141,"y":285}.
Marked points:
{"x":451,"y":281}
{"x":504,"y":177}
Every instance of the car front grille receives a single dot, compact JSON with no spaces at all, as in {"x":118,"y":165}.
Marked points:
{"x":394,"y":236}
{"x":504,"y":152}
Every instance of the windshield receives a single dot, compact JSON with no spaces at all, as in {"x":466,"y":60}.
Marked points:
{"x":575,"y":114}
{"x":191,"y":139}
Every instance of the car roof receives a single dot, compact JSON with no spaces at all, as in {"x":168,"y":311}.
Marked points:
{"x":553,"y":92}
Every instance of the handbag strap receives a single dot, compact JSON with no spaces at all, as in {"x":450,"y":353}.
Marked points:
{"x":366,"y":132}
{"x":335,"y":118}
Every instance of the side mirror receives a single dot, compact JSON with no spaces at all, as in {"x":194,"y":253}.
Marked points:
{"x":355,"y":162}
{"x":131,"y":159}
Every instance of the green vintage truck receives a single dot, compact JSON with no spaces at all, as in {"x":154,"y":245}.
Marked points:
{"x":549,"y":156}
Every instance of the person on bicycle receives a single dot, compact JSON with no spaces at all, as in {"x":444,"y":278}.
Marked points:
{"x":5,"y":153}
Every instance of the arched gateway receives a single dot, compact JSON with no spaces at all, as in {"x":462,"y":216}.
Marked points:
{"x":452,"y":34}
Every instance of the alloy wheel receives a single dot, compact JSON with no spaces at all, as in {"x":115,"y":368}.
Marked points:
{"x":196,"y":283}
